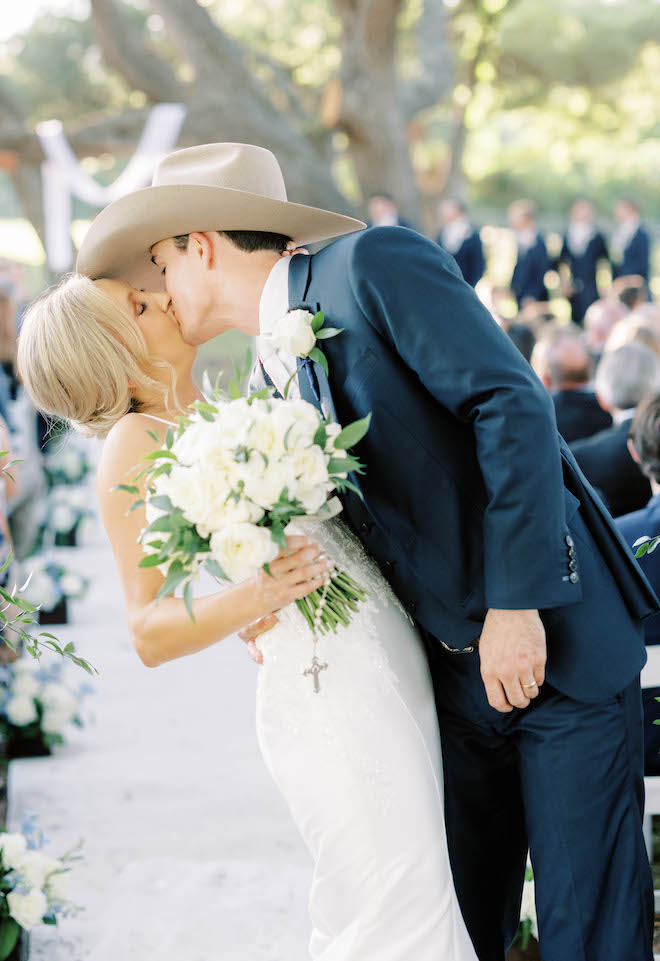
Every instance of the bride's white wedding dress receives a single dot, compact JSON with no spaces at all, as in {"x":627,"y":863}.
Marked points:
{"x":359,"y":764}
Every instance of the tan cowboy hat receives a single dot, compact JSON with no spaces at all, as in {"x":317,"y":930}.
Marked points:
{"x":218,"y":186}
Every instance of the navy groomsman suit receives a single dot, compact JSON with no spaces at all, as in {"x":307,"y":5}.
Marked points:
{"x":469,"y":257}
{"x":636,"y":257}
{"x":583,"y":264}
{"x":532,"y":265}
{"x":473,"y":501}
{"x":646,"y":523}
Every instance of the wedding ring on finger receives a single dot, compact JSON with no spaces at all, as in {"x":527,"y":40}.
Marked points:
{"x":531,"y":684}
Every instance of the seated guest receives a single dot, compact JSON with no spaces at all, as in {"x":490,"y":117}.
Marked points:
{"x":523,"y":337}
{"x":460,"y":239}
{"x":598,"y":322}
{"x":631,"y":244}
{"x":624,"y":378}
{"x":532,"y":263}
{"x":382,"y":211}
{"x":583,"y":248}
{"x":566,"y":370}
{"x":645,"y":448}
{"x":631,"y":291}
{"x":633,"y":329}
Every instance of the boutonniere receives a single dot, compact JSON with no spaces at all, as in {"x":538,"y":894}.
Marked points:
{"x":298,"y":331}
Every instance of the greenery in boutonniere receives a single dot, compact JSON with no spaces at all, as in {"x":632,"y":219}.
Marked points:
{"x":298,"y":333}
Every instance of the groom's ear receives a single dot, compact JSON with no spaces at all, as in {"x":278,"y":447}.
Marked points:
{"x":201,"y":245}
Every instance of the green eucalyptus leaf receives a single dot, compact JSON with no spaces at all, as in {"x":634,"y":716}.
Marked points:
{"x":353,"y":434}
{"x":319,"y":358}
{"x":215,"y":570}
{"x":318,"y":321}
{"x":188,"y":599}
{"x":329,"y":332}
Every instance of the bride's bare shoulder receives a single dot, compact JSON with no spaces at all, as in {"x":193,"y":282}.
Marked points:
{"x":125,"y":445}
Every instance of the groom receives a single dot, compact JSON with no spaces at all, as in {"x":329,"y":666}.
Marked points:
{"x":475,"y":510}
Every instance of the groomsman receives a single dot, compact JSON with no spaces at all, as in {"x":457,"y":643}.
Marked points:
{"x":533,"y":263}
{"x":631,"y":244}
{"x":382,"y":211}
{"x":460,"y":239}
{"x":583,"y":248}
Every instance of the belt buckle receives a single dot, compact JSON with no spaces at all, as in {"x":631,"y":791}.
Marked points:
{"x":459,"y":650}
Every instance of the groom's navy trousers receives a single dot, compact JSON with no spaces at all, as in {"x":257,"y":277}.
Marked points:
{"x":471,"y":501}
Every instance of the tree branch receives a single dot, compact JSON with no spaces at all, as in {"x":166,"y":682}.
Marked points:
{"x":124,"y":51}
{"x":436,"y":66}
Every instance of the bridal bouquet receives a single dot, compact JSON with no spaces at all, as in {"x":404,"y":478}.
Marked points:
{"x":225,"y":485}
{"x":33,"y":886}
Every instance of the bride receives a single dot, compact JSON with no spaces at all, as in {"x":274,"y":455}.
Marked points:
{"x":358,"y":762}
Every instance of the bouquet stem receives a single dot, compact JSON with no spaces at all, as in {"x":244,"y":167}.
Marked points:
{"x":337,"y":601}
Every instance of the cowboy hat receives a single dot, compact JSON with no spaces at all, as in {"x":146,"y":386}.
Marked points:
{"x":221,"y":186}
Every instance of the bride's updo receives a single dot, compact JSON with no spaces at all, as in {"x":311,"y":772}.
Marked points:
{"x":82,"y":357}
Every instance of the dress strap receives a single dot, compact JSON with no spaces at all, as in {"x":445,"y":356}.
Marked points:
{"x":153,"y":417}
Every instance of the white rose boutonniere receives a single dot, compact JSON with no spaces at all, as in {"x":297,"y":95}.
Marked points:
{"x":297,"y":333}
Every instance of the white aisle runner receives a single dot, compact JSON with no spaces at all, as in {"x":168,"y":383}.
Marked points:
{"x":186,"y":838}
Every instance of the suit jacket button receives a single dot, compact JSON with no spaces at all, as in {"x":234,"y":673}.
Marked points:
{"x":574,"y":577}
{"x":569,"y":541}
{"x":571,"y":552}
{"x":572,"y":565}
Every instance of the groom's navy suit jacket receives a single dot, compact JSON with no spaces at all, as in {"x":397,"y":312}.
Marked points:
{"x":471,"y":498}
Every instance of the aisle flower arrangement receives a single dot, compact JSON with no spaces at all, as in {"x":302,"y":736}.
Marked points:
{"x":67,"y":508}
{"x":38,"y":703}
{"x":51,"y":586}
{"x":66,"y":465}
{"x":33,"y":886}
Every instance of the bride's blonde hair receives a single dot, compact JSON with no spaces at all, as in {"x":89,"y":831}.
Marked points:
{"x":82,"y":357}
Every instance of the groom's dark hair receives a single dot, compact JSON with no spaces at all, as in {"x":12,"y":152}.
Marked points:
{"x":247,"y":240}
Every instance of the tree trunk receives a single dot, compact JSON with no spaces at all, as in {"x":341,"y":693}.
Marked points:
{"x":371,"y":110}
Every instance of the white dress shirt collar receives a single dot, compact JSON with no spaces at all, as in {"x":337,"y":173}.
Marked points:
{"x":273,"y":305}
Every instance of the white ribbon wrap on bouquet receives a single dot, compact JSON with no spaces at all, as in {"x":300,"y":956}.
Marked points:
{"x":63,"y":178}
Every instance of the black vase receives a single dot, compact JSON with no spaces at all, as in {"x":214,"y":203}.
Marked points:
{"x":58,"y":615}
{"x":66,"y":538}
{"x":26,"y":741}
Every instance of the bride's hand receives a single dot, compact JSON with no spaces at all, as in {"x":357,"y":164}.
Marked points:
{"x":298,"y":569}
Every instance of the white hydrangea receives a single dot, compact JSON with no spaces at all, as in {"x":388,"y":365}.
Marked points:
{"x":71,"y":584}
{"x":25,"y":685}
{"x":12,"y":847}
{"x":27,"y":909}
{"x":42,"y":589}
{"x":35,"y":867}
{"x":20,"y":710}
{"x":242,"y":549}
{"x":63,"y":517}
{"x":54,"y":721}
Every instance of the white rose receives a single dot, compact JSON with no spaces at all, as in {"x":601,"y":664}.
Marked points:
{"x":267,"y":435}
{"x":242,"y":549}
{"x":310,"y":467}
{"x":300,"y":422}
{"x":24,"y":685}
{"x":57,"y":886}
{"x":20,"y":710}
{"x":333,"y":431}
{"x":234,"y":423}
{"x":191,"y":441}
{"x":293,"y":333}
{"x":312,"y":498}
{"x":34,"y":867}
{"x":12,"y":847}
{"x":265,"y":484}
{"x":27,"y":909}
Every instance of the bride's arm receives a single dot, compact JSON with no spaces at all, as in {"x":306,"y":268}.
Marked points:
{"x":162,"y":630}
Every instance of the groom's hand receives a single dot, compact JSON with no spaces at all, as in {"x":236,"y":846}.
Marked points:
{"x":512,"y":651}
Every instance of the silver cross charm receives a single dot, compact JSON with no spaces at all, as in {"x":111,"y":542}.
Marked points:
{"x":314,"y":671}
